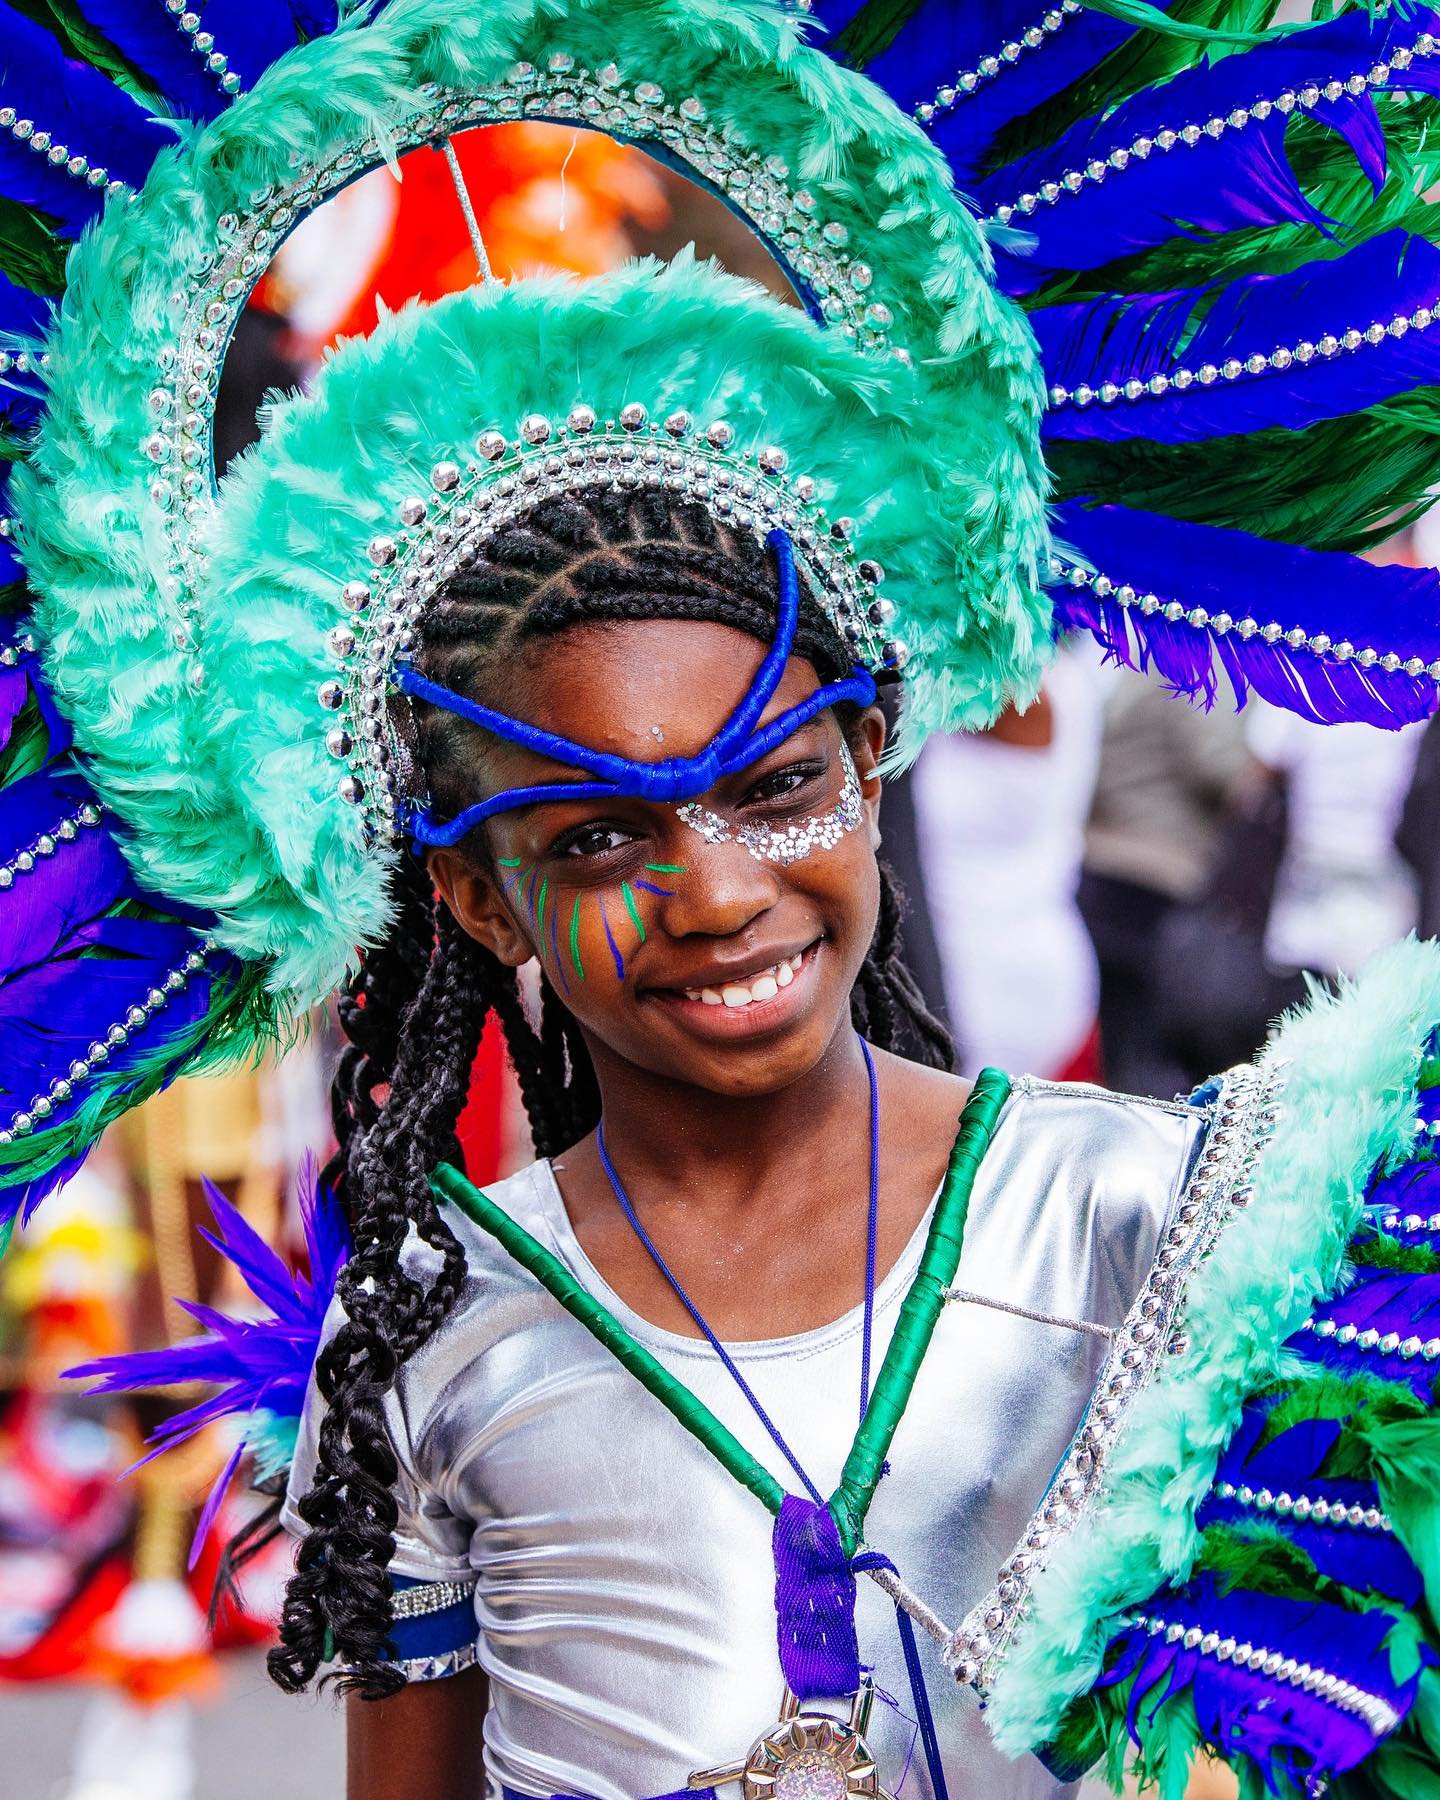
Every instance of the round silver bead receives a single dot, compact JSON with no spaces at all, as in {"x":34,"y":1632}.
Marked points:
{"x":535,"y":429}
{"x":331,"y":695}
{"x":633,"y":416}
{"x":341,"y":640}
{"x":492,"y":445}
{"x":719,"y":435}
{"x":413,"y":511}
{"x":356,"y":595}
{"x":382,"y":550}
{"x":679,"y":423}
{"x":338,"y":741}
{"x":804,"y":487}
{"x":445,"y":477}
{"x":352,"y":790}
{"x":581,"y":419}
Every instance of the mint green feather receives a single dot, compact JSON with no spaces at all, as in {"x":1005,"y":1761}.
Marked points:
{"x":165,"y":728}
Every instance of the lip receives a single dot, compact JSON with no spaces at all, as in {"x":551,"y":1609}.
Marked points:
{"x":758,"y":1016}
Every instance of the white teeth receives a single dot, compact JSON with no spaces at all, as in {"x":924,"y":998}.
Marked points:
{"x":764,"y":986}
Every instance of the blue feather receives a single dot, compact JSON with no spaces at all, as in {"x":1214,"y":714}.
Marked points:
{"x":1236,"y":179}
{"x":81,"y":880}
{"x":24,"y":316}
{"x":151,"y":41}
{"x":1138,"y":338}
{"x":1232,"y":577}
{"x":82,"y":110}
{"x":251,"y":34}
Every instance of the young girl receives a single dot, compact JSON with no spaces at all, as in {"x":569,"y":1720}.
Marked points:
{"x":546,"y":633}
{"x":705,"y":1010}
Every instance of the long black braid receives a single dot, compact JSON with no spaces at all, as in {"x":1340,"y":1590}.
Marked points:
{"x":415,"y":1011}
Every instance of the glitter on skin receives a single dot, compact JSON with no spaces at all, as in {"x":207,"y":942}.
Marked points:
{"x":821,"y":831}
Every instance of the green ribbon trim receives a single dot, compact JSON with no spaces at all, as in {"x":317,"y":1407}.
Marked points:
{"x":921,"y":1310}
{"x":557,"y":1280}
{"x":919,"y":1314}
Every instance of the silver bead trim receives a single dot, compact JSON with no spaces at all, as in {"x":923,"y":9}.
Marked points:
{"x":1305,"y":1509}
{"x":24,"y":362}
{"x":436,"y":1668}
{"x":1378,"y":1714}
{"x":1074,"y":181}
{"x":508,"y":477}
{"x":1409,"y":1224}
{"x":1221,"y":623}
{"x":1035,"y":37}
{"x":434,"y":1597}
{"x":203,"y":44}
{"x":68,"y":828}
{"x":1205,"y":375}
{"x":1368,"y":1341}
{"x":12,"y":654}
{"x":117,"y":1037}
{"x":58,"y":155}
{"x":1241,"y":1120}
{"x":182,"y":404}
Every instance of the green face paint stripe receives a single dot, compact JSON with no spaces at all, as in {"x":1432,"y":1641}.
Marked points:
{"x":508,"y":862}
{"x":540,"y":908}
{"x":632,"y":909}
{"x":921,"y":1309}
{"x":667,"y":868}
{"x":557,"y":1280}
{"x":575,"y":939}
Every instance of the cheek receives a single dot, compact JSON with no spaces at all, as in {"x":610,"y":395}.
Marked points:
{"x":586,"y":937}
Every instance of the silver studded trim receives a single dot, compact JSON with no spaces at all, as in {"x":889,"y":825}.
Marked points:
{"x":1409,"y":1224}
{"x":23,"y":362}
{"x":1241,"y":1119}
{"x":208,"y":303}
{"x":65,"y":831}
{"x":1377,"y":1714}
{"x":1035,"y":37}
{"x":1369,"y":1341}
{"x":436,"y":1668}
{"x":11,"y":655}
{"x":1294,"y":637}
{"x":59,"y":156}
{"x":433,"y":1597}
{"x":116,"y":1038}
{"x":1305,"y":1509}
{"x":203,"y":44}
{"x":442,"y":532}
{"x":1204,"y":375}
{"x":1185,"y":137}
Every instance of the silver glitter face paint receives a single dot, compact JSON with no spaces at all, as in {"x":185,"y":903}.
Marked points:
{"x":787,"y":843}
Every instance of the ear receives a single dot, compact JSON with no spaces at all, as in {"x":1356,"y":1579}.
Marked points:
{"x":867,"y":746}
{"x":479,"y":907}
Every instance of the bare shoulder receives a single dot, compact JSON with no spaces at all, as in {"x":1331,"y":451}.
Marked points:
{"x":920,"y":1111}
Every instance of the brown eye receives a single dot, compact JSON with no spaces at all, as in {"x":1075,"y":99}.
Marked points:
{"x":593,"y":840}
{"x":784,"y":782}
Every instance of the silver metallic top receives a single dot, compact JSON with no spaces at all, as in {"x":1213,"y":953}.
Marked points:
{"x":625,"y":1595}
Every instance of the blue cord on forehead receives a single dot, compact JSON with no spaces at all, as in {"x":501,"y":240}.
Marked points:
{"x":735,"y":746}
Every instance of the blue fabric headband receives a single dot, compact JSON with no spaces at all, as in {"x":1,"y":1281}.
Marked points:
{"x":735,"y":746}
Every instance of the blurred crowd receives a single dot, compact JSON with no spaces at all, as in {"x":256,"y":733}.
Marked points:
{"x":1112,"y":886}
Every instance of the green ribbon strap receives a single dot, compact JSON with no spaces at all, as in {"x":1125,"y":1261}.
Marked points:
{"x":914,"y":1328}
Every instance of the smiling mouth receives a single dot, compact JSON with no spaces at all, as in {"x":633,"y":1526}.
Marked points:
{"x":764,"y":985}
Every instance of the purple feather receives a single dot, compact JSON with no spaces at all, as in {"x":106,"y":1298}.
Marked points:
{"x":1245,"y":1712}
{"x":258,"y":1365}
{"x":1412,"y":1191}
{"x":1233,"y":577}
{"x":1381,"y":1325}
{"x":83,"y":878}
{"x":1291,"y":1464}
{"x":1140,"y":338}
{"x":82,"y":110}
{"x":213,"y":1499}
{"x":1228,"y":181}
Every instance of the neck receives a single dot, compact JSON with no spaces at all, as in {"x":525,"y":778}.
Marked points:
{"x":732,"y":1146}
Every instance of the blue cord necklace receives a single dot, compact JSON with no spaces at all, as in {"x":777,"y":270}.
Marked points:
{"x":926,"y":1725}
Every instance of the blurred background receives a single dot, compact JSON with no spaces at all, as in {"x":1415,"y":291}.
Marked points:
{"x":1112,"y":887}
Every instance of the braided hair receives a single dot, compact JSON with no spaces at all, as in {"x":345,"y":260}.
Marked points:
{"x":415,"y":1010}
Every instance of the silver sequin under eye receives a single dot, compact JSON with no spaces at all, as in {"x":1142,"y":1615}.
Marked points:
{"x":789,"y":843}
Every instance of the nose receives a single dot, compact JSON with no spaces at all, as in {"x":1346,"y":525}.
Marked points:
{"x":722,"y":890}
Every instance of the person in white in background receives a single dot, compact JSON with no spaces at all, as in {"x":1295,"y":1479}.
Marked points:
{"x":1000,"y":818}
{"x":1343,"y":890}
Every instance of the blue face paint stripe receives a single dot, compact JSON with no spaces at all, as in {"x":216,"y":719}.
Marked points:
{"x":650,"y":887}
{"x":610,"y":940}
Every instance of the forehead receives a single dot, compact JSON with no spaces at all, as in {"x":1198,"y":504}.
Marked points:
{"x":646,"y":689}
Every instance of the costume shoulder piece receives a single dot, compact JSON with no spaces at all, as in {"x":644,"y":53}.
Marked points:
{"x":1239,"y":1550}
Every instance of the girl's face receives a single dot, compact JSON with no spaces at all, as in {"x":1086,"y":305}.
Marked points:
{"x":716,"y":943}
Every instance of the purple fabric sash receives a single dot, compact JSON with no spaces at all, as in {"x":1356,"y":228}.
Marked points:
{"x":814,"y":1603}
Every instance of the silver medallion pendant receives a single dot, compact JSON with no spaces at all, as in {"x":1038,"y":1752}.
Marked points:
{"x":806,"y":1756}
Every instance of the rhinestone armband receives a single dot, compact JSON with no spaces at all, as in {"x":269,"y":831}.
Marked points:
{"x":440,"y":533}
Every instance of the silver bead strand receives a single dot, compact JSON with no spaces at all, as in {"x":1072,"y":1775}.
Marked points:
{"x":58,"y":155}
{"x":203,"y":44}
{"x":1035,"y":37}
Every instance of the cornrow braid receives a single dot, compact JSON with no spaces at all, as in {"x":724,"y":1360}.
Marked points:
{"x":415,"y":1011}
